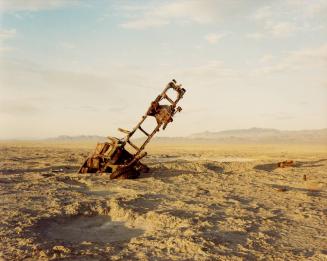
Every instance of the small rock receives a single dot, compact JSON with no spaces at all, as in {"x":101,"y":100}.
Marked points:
{"x":43,"y":253}
{"x":47,"y":175}
{"x":86,"y":243}
{"x":18,"y":230}
{"x":61,"y":249}
{"x":57,"y":170}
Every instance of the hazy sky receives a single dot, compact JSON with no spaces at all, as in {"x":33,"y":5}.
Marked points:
{"x":89,"y":67}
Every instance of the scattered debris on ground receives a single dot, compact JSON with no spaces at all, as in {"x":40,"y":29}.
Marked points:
{"x":286,"y":163}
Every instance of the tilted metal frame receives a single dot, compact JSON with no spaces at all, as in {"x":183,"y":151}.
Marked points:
{"x":113,"y":157}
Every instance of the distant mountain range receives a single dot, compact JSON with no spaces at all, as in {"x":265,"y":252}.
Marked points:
{"x":261,"y":135}
{"x":252,"y":135}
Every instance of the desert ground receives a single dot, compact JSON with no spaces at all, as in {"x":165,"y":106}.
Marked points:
{"x":198,"y":202}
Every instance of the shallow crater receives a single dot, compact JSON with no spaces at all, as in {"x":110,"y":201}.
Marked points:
{"x":78,"y":229}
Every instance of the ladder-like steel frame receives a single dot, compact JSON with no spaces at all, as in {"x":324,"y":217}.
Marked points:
{"x":113,"y":157}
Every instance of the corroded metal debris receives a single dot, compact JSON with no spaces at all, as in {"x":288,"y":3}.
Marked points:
{"x":114,"y":158}
{"x":286,"y":163}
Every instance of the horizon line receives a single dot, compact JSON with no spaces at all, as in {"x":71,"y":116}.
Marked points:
{"x":102,"y":136}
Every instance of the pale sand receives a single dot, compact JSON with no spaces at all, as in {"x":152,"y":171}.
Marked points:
{"x":199,"y":202}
